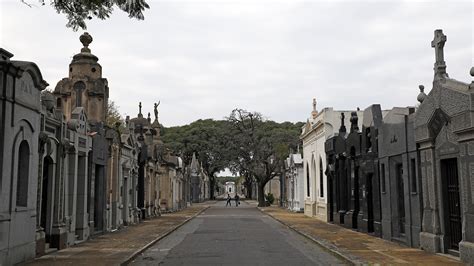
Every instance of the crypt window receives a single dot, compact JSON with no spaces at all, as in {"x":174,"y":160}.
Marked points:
{"x":23,"y":174}
{"x":382,"y":175}
{"x":413,"y":175}
{"x":79,"y":87}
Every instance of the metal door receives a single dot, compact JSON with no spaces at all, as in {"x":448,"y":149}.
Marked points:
{"x":449,"y":173}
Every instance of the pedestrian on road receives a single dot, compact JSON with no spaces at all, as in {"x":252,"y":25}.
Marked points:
{"x":228,"y":200}
{"x":237,"y":202}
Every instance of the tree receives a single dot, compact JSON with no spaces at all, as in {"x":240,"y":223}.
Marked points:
{"x":244,"y":142}
{"x":207,"y":138}
{"x":113,"y":119}
{"x":78,"y":11}
{"x":260,"y":147}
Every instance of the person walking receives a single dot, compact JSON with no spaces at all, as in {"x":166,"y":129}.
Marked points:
{"x":228,"y":200}
{"x":236,"y":198}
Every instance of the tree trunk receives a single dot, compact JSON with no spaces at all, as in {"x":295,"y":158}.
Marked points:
{"x":261,"y":195}
{"x":249,"y":190}
{"x":212,"y":185}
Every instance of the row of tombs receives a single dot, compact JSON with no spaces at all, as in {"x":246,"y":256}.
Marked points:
{"x":66,"y":175}
{"x":405,"y":174}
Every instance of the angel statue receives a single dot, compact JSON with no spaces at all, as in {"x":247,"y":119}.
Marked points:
{"x":156,"y":110}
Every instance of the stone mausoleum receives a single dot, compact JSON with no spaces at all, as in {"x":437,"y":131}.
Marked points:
{"x":66,"y":174}
{"x":318,"y":128}
{"x":444,"y":134}
{"x":21,"y":84}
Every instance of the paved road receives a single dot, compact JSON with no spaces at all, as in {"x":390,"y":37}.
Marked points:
{"x":235,"y":236}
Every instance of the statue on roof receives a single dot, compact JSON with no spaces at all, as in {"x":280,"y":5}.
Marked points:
{"x":314,"y":113}
{"x":156,"y":109}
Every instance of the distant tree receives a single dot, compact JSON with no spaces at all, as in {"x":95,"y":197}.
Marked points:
{"x":244,"y":143}
{"x":113,"y":119}
{"x":79,"y":11}
{"x":207,"y":138}
{"x":260,"y":147}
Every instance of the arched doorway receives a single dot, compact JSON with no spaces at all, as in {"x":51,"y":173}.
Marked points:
{"x":47,"y":197}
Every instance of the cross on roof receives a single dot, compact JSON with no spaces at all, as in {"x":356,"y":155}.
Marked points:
{"x":438,"y":43}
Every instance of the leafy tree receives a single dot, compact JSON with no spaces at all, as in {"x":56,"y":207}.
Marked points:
{"x":245,"y":143}
{"x":207,"y":138}
{"x":113,"y":119}
{"x":79,"y":11}
{"x":260,"y":147}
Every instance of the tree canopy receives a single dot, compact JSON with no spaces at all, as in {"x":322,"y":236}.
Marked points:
{"x":207,"y":138}
{"x":245,"y":142}
{"x":113,"y":119}
{"x":79,"y":11}
{"x":260,"y":147}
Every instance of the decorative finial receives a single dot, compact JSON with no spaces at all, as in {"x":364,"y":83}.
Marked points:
{"x":354,"y":119}
{"x":85,"y":39}
{"x":149,"y":117}
{"x":342,"y":129}
{"x":314,"y":113}
{"x":438,"y":43}
{"x":156,"y":110}
{"x":422,"y":95}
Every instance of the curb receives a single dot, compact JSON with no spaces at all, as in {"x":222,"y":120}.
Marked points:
{"x":326,"y":246}
{"x":151,"y":243}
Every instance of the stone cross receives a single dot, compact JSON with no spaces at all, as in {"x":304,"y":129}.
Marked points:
{"x":140,"y":108}
{"x":314,"y":104}
{"x":438,"y":43}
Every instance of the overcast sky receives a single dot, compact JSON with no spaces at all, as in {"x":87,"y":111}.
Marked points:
{"x":201,"y":59}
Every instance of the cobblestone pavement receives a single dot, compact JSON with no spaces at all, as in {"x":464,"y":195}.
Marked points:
{"x":357,"y":247}
{"x":235,"y":236}
{"x":117,"y":247}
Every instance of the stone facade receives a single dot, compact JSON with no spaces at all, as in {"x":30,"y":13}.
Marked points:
{"x":319,"y":127}
{"x":71,"y":176}
{"x":399,"y":178}
{"x":171,"y":184}
{"x":149,"y":153}
{"x":444,"y":132}
{"x":294,"y":177}
{"x":21,"y":84}
{"x":199,"y":181}
{"x":353,"y":170}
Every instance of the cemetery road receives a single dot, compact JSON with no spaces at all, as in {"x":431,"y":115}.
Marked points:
{"x":235,"y":236}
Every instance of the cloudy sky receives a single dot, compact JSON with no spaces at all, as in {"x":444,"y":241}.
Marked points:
{"x":201,"y":59}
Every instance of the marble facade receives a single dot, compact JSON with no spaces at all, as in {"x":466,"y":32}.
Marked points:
{"x":72,"y":176}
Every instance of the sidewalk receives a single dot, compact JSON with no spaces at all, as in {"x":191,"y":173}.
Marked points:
{"x":121,"y":246}
{"x":358,"y":248}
